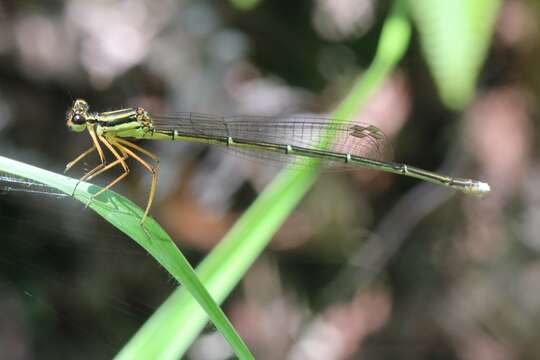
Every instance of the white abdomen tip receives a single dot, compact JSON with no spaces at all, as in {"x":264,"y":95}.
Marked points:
{"x":482,"y":188}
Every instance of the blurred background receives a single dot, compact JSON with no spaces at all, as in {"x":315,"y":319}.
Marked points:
{"x":370,"y":265}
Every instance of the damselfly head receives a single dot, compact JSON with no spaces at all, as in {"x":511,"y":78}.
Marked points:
{"x":76,"y":117}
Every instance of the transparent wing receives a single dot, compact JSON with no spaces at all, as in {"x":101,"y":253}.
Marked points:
{"x":311,"y":132}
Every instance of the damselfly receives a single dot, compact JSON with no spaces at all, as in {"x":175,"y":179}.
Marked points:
{"x":297,"y":140}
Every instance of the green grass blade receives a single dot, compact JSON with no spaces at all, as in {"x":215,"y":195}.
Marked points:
{"x":455,"y":36}
{"x":125,"y":215}
{"x":176,"y":324}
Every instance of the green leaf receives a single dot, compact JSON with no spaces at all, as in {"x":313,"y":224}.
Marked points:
{"x":176,"y":324}
{"x":125,"y":216}
{"x":455,"y":36}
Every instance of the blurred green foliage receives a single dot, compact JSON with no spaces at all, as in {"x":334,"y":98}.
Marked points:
{"x":455,"y":37}
{"x":245,"y":4}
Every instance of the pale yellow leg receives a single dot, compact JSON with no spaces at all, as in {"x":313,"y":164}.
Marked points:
{"x":113,"y":164}
{"x":114,"y":152}
{"x":79,"y":158}
{"x":119,"y":159}
{"x":122,"y":145}
{"x":100,"y":153}
{"x":110,"y":185}
{"x":137,"y":147}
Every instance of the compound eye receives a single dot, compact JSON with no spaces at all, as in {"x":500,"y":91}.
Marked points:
{"x":78,"y":119}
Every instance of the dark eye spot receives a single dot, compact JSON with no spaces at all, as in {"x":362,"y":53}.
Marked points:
{"x":77,"y":119}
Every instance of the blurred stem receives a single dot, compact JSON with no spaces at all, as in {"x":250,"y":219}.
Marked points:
{"x":225,"y":266}
{"x":244,"y":5}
